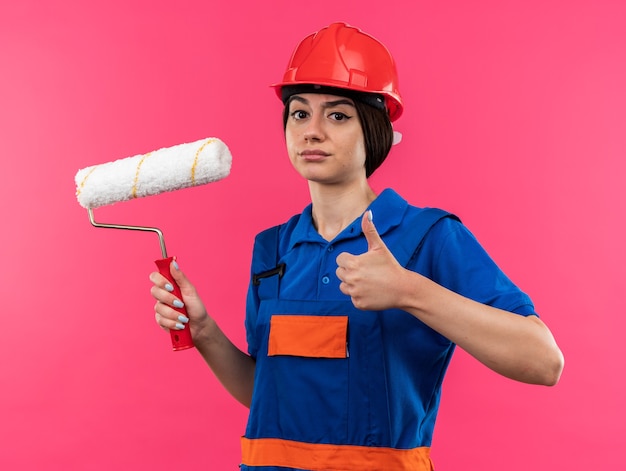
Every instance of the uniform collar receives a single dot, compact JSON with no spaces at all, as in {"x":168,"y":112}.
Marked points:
{"x":388,"y":209}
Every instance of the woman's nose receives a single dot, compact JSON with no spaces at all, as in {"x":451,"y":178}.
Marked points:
{"x":314,"y":129}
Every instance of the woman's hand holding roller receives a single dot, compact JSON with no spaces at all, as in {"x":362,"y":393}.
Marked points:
{"x":166,"y":316}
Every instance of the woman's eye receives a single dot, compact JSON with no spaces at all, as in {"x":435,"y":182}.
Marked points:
{"x":337,"y":116}
{"x":298,"y":114}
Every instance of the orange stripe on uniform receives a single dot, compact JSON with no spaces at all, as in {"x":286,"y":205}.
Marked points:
{"x":323,"y":457}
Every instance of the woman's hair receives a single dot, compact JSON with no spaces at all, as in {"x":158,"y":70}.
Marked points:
{"x":377,"y":131}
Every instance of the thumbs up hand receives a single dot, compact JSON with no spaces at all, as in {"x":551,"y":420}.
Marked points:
{"x":373,"y":280}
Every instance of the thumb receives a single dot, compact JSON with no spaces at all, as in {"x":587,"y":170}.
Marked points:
{"x":178,"y":276}
{"x":374,"y":242}
{"x":186,"y":287}
{"x":175,"y":272}
{"x":175,"y":275}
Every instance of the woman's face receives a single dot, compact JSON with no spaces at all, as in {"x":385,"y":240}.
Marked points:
{"x":325,"y":139}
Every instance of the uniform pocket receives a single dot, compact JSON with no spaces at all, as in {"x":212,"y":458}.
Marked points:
{"x":302,"y":372}
{"x":308,"y":336}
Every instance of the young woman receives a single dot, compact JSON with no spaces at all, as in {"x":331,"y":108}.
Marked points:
{"x":356,"y":305}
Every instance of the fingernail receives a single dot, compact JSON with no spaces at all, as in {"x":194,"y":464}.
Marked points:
{"x":177,"y":303}
{"x":179,"y":326}
{"x":169,"y":287}
{"x":183,"y":319}
{"x":370,"y":215}
{"x":176,"y":265}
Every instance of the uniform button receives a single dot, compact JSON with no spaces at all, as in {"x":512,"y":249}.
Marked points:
{"x":325,"y":280}
{"x":331,"y":248}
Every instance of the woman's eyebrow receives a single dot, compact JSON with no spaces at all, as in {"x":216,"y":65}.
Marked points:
{"x":342,"y":101}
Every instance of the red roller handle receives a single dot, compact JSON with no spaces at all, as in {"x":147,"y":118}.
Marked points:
{"x":181,"y":339}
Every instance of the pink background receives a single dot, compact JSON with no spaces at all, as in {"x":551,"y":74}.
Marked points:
{"x":515,"y":120}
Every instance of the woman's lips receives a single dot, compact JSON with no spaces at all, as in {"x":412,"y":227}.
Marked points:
{"x":313,"y":155}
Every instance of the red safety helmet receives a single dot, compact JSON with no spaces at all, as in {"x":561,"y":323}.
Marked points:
{"x":342,"y":56}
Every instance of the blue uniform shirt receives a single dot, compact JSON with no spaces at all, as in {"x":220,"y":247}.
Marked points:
{"x":385,"y":392}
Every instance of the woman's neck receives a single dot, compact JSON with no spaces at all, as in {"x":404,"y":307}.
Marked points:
{"x":336,"y":207}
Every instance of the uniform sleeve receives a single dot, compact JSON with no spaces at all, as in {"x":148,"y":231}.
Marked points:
{"x":458,"y":262}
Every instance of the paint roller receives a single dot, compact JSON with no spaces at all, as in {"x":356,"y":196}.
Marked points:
{"x":167,"y":169}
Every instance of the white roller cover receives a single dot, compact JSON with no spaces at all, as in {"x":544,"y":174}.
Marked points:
{"x":168,"y":169}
